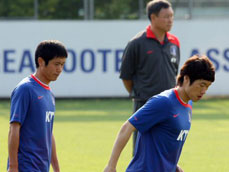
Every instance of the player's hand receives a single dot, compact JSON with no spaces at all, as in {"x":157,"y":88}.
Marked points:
{"x":178,"y":169}
{"x":56,"y":170}
{"x":109,"y":169}
{"x":13,"y":169}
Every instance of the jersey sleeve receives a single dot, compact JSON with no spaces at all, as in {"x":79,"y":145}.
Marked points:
{"x":20,"y":99}
{"x":156,"y":110}
{"x":128,"y":65}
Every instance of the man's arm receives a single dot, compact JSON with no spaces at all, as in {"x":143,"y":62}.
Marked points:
{"x":120,"y":143}
{"x":128,"y":85}
{"x":13,"y":145}
{"x":54,"y":160}
{"x":178,"y":169}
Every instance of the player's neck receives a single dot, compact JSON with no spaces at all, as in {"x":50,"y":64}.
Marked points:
{"x":183,"y":95}
{"x":41,"y":78}
{"x":160,"y":35}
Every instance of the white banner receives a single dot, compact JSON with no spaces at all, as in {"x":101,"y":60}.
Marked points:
{"x":95,"y":49}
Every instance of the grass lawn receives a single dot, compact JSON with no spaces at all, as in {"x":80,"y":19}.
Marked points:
{"x":85,"y":131}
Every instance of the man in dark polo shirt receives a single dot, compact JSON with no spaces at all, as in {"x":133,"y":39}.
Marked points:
{"x":151,"y":59}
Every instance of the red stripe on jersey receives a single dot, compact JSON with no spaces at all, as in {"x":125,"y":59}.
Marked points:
{"x":149,"y":33}
{"x":44,"y":86}
{"x":173,"y":39}
{"x":181,"y":102}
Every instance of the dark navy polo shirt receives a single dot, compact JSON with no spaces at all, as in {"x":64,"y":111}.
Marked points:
{"x":151,"y":65}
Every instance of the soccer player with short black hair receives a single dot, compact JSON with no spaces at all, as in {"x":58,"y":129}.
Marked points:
{"x":31,"y":144}
{"x":164,"y":121}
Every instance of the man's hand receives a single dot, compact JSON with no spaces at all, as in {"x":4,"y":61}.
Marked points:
{"x":56,"y":170}
{"x":109,"y":169}
{"x":178,"y":169}
{"x":11,"y":169}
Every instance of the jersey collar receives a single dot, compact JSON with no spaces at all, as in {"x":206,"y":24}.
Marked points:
{"x":150,"y":34}
{"x":179,"y":99}
{"x":40,"y":83}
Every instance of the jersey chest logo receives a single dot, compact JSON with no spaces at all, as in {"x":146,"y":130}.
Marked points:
{"x":173,"y":53}
{"x":182,"y":136}
{"x":49,"y":116}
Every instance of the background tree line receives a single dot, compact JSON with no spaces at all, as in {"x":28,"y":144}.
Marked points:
{"x":70,"y":9}
{"x":105,"y":9}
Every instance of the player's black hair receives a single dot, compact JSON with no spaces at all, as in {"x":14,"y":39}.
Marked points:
{"x":155,"y":6}
{"x":197,"y":67}
{"x":48,"y":50}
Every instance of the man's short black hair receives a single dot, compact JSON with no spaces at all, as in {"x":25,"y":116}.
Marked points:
{"x":197,"y":67}
{"x":48,"y":50}
{"x":155,"y":6}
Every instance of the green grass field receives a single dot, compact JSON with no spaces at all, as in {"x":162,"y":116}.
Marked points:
{"x":85,"y":131}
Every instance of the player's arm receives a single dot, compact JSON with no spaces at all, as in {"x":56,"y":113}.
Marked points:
{"x":128,"y":85}
{"x":120,"y":143}
{"x":54,"y":159}
{"x":178,"y":169}
{"x":13,"y":145}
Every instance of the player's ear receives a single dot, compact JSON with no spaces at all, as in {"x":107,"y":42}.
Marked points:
{"x":41,"y":62}
{"x":152,"y":17}
{"x":186,"y":80}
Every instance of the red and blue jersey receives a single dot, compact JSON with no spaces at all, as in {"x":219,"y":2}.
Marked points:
{"x":163,"y":124}
{"x":33,"y":106}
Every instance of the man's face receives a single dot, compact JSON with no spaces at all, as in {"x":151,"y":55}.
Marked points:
{"x":53,"y":69}
{"x":198,"y":88}
{"x":164,"y":20}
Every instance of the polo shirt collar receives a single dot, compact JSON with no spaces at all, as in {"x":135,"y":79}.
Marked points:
{"x":150,"y":34}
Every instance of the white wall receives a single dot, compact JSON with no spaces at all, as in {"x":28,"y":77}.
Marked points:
{"x":95,"y":49}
